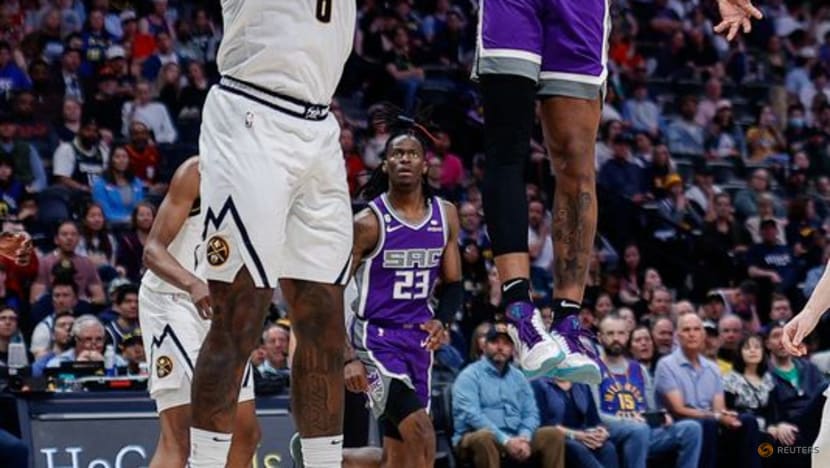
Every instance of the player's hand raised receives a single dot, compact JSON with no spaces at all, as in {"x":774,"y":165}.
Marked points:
{"x":436,"y":334}
{"x":796,"y":330}
{"x":200,"y":295}
{"x":736,"y":15}
{"x":355,"y":375}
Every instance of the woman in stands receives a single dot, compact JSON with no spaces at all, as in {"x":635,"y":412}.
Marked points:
{"x":119,"y":191}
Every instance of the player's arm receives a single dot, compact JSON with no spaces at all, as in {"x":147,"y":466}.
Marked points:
{"x":366,"y":233}
{"x":451,"y":294}
{"x":172,"y":214}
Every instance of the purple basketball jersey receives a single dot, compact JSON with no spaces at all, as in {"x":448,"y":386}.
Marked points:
{"x":396,"y":281}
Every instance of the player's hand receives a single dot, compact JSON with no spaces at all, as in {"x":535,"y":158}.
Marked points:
{"x":796,"y":330}
{"x":736,"y":15}
{"x":200,"y":295}
{"x":436,"y":331}
{"x":355,"y":375}
{"x":16,"y":246}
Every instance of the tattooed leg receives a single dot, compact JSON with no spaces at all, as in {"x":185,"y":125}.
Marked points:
{"x":570,"y":127}
{"x":238,"y":314}
{"x":317,"y":370}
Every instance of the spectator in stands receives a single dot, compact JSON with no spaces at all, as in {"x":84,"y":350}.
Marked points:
{"x":766,"y":210}
{"x":126,"y":306}
{"x":32,"y":128}
{"x":540,"y":249}
{"x":352,"y":158}
{"x":659,"y":170}
{"x":609,"y":132}
{"x":781,"y":309}
{"x":642,"y":112}
{"x":275,"y":340}
{"x":145,"y":158}
{"x":132,"y":350}
{"x":713,"y":345}
{"x":45,"y":40}
{"x":64,"y":301}
{"x":84,"y":272}
{"x":193,"y":95}
{"x":633,"y":275}
{"x":90,"y":339}
{"x":641,"y":347}
{"x":723,"y":243}
{"x":131,"y":243}
{"x":625,"y":394}
{"x":772,"y":262}
{"x":731,"y":331}
{"x":659,"y":302}
{"x":400,"y":65}
{"x":677,"y":215}
{"x":79,"y":163}
{"x":60,"y":341}
{"x":765,"y":139}
{"x":452,"y":169}
{"x":48,"y":96}
{"x":712,"y":94}
{"x":70,"y":122}
{"x":747,"y":388}
{"x":105,"y":105}
{"x":27,"y":163}
{"x":471,"y":226}
{"x":198,"y":42}
{"x":12,"y":78}
{"x":159,"y":20}
{"x":118,"y":191}
{"x":96,"y":38}
{"x":9,"y":331}
{"x":69,"y":75}
{"x":96,"y":242}
{"x":746,"y":201}
{"x":620,"y":175}
{"x":453,"y":47}
{"x":120,"y":69}
{"x":691,"y":387}
{"x":703,"y":191}
{"x":151,"y":113}
{"x":571,"y":410}
{"x":494,"y":412}
{"x":165,"y":54}
{"x":818,"y":85}
{"x":684,"y":135}
{"x":11,"y":189}
{"x":724,"y":139}
{"x":435,"y":22}
{"x":662,"y":332}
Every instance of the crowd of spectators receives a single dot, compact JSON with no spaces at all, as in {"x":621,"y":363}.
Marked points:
{"x":713,"y":171}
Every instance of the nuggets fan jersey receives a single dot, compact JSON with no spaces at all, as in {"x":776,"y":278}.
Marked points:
{"x":293,"y":47}
{"x":396,"y":281}
{"x":184,"y":248}
{"x":624,"y":394}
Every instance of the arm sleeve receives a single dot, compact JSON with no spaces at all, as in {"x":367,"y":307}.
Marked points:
{"x":451,"y":300}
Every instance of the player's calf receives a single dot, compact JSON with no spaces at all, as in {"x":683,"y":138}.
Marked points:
{"x":246,"y":435}
{"x":418,"y":436}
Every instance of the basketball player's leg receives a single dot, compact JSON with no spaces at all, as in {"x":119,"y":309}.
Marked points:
{"x":509,"y":58}
{"x":246,"y":435}
{"x":238,"y":314}
{"x":409,"y":438}
{"x":174,"y":439}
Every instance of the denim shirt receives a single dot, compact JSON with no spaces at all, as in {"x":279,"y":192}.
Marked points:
{"x":501,"y":402}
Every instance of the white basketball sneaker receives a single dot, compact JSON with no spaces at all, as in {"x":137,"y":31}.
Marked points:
{"x":581,"y":361}
{"x":539,"y":355}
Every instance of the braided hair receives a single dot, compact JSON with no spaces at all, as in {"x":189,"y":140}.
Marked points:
{"x":400,"y":125}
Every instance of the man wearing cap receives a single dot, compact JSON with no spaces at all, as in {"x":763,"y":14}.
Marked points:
{"x":79,"y":162}
{"x":495,"y":414}
{"x":132,"y":350}
{"x":713,"y":346}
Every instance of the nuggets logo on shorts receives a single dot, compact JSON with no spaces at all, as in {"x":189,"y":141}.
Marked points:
{"x":164,"y":366}
{"x":218,"y":251}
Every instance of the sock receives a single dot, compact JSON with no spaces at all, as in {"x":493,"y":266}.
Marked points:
{"x":208,"y":449}
{"x":322,"y":452}
{"x":515,"y":290}
{"x":564,"y":308}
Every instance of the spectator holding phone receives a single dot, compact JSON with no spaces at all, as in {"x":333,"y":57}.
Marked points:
{"x":627,"y":407}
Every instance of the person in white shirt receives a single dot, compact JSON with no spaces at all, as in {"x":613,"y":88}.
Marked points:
{"x":151,"y":113}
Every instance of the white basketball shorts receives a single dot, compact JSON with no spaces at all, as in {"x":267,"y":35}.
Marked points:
{"x":173,"y":333}
{"x":274,"y":192}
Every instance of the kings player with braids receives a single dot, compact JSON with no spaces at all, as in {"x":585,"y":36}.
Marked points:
{"x":405,"y":253}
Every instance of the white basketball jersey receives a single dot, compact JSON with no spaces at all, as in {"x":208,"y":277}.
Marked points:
{"x":185,"y":249}
{"x":293,"y":47}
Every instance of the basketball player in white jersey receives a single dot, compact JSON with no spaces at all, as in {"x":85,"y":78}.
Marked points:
{"x":276,"y":206}
{"x":174,"y":308}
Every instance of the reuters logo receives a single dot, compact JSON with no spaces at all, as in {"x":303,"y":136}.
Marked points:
{"x":765,"y":450}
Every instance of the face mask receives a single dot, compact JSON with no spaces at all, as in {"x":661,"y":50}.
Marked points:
{"x":796,"y":122}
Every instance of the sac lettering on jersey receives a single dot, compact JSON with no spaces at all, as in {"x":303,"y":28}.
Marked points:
{"x":412,"y":258}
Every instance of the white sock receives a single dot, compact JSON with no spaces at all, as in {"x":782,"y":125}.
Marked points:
{"x":322,"y":452}
{"x":208,"y":449}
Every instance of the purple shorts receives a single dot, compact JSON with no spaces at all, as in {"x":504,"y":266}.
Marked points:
{"x":562,"y":44}
{"x":393,"y":353}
